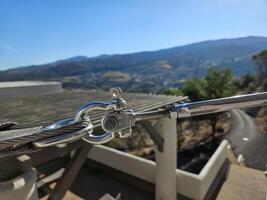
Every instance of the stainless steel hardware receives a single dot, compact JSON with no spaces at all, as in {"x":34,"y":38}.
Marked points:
{"x":118,"y":120}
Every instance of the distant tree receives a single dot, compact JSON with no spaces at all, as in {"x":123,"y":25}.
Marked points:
{"x":173,"y":91}
{"x":194,"y":89}
{"x":246,"y":84}
{"x":261,"y":63}
{"x":264,"y":85}
{"x":237,"y":84}
{"x":247,"y":80}
{"x":218,"y":83}
{"x":252,"y":87}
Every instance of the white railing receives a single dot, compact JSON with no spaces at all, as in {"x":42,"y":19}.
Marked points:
{"x":188,"y":184}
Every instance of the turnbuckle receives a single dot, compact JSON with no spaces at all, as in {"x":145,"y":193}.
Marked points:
{"x":117,"y":120}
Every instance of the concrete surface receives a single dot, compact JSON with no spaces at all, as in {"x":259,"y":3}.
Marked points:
{"x":29,"y":88}
{"x":247,"y":139}
{"x":243,"y":184}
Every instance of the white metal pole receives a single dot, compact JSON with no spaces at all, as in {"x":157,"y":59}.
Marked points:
{"x":166,"y":161}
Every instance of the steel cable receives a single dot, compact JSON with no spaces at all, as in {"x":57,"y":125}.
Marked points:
{"x":95,"y":120}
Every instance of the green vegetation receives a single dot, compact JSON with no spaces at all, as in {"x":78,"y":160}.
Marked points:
{"x":261,"y":64}
{"x":216,"y":84}
{"x":220,"y":83}
{"x":246,"y":84}
{"x":117,"y":75}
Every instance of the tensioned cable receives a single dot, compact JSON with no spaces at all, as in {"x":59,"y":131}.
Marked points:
{"x":64,"y":115}
{"x":143,"y":107}
{"x":95,"y":121}
{"x":44,"y":121}
{"x":48,"y":120}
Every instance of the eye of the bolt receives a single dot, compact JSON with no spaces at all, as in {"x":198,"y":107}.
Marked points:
{"x":110,"y":123}
{"x":116,"y":92}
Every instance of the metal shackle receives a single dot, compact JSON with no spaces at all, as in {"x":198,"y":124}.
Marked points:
{"x":83,"y":114}
{"x":108,"y":124}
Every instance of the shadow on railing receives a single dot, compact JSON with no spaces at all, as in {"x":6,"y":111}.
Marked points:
{"x":188,"y":184}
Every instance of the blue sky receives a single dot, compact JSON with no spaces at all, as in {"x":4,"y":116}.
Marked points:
{"x":41,"y":31}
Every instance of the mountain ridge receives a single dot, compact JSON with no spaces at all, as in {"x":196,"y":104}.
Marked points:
{"x":166,"y":67}
{"x":83,"y":57}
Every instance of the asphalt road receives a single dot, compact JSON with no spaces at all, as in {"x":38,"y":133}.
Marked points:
{"x":247,"y":139}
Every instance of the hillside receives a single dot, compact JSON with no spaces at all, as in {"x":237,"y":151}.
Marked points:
{"x":153,"y":69}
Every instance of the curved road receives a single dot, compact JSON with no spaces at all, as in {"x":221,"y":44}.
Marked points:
{"x":246,"y":138}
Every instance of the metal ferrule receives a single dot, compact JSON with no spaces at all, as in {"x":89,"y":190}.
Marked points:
{"x":219,"y":105}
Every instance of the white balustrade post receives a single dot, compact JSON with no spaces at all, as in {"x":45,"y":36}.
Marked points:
{"x":166,"y":161}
